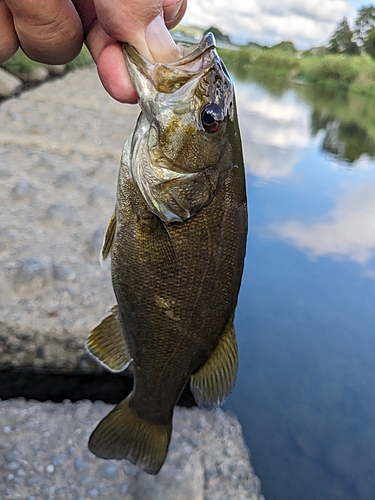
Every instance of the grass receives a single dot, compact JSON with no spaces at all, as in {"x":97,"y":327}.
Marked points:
{"x":355,"y":73}
{"x":247,"y":60}
{"x":20,"y":63}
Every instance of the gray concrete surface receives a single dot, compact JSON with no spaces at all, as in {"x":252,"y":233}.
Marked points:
{"x":44,"y":455}
{"x":60,"y":148}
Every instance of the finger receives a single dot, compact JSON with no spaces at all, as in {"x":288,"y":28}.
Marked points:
{"x":8,"y":39}
{"x":109,"y":58}
{"x":49,"y":31}
{"x":114,"y":74}
{"x":173,"y":12}
{"x":139,"y":22}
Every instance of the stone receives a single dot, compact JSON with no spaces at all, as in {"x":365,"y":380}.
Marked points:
{"x":10,"y":85}
{"x":37,"y":74}
{"x":55,"y":69}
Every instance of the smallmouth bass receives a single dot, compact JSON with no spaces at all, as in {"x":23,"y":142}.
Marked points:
{"x":177,"y":244}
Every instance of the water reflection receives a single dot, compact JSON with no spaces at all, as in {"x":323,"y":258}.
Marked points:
{"x":275,"y":130}
{"x":347,"y":123}
{"x":348,"y":230}
{"x":305,"y":318}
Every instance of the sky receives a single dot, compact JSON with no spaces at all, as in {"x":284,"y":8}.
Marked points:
{"x":307,"y":23}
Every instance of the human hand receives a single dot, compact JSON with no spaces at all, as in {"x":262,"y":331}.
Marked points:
{"x":52,"y":31}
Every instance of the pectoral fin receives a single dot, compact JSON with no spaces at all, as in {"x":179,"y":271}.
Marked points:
{"x":213,"y":383}
{"x":108,"y":238}
{"x":108,"y":345}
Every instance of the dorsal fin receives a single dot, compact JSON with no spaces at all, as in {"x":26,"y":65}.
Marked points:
{"x":108,"y":238}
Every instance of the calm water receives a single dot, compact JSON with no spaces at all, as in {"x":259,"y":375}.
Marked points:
{"x":306,"y":316}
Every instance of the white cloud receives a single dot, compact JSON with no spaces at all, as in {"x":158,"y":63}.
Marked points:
{"x":348,"y":231}
{"x":305,"y":23}
{"x":275,"y":131}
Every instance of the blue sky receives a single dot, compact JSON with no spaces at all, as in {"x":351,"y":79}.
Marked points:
{"x":308,"y":23}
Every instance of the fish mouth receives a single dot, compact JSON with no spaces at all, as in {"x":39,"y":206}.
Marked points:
{"x":168,"y":77}
{"x":189,"y":53}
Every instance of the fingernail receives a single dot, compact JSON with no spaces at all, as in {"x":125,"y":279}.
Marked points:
{"x":160,"y":42}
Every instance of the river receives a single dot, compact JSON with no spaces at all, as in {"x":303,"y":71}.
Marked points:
{"x":305,"y":320}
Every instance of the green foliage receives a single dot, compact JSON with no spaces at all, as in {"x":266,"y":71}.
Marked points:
{"x":246,"y":60}
{"x":341,"y":71}
{"x":82,"y":60}
{"x":369,"y":43}
{"x":332,"y":68}
{"x":364,"y":23}
{"x":285,"y":46}
{"x":19,"y":63}
{"x":353,"y":113}
{"x":341,"y":41}
{"x":218,"y":34}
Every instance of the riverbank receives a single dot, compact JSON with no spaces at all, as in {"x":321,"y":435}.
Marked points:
{"x":350,"y":73}
{"x":21,"y":73}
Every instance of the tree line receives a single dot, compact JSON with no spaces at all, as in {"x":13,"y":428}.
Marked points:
{"x":360,"y":39}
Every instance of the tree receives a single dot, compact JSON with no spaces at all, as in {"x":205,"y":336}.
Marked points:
{"x":218,"y":34}
{"x":364,"y":23}
{"x":342,"y":40}
{"x":369,"y":44}
{"x":285,"y":46}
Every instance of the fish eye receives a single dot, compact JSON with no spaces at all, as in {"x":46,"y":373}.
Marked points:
{"x":212,"y":115}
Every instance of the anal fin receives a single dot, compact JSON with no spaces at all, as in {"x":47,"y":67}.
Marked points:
{"x":108,"y":238}
{"x":108,"y":345}
{"x":214,"y":381}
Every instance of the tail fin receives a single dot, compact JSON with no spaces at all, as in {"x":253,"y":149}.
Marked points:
{"x":122,"y":434}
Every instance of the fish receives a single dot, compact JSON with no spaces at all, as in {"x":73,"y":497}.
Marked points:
{"x":177,"y":241}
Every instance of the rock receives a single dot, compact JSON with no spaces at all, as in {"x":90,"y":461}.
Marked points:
{"x":35,"y":75}
{"x":55,"y":69}
{"x":9,"y":85}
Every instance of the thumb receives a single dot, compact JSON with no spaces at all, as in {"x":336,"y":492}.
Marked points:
{"x":140,"y":22}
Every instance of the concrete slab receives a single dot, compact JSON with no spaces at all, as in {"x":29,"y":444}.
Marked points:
{"x":44,"y":456}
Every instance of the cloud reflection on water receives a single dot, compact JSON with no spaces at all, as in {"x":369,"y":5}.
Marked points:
{"x":275,"y":131}
{"x":348,"y":230}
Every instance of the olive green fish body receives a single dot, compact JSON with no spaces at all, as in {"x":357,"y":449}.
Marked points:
{"x":176,"y":287}
{"x":177,"y":245}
